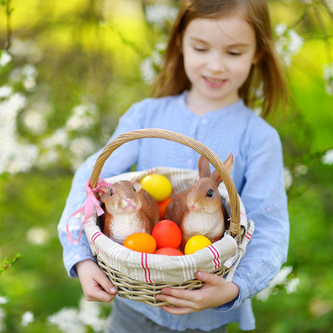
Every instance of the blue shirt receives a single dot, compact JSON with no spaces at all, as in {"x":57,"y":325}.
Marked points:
{"x":257,"y":174}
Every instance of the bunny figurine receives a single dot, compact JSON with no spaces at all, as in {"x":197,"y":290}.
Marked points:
{"x":198,"y":210}
{"x":128,"y":209}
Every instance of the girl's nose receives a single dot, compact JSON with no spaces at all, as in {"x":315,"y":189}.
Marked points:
{"x":216,"y":64}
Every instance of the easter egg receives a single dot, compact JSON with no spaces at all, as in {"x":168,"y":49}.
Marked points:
{"x":158,"y":186}
{"x":162,"y":205}
{"x":196,"y":243}
{"x":169,"y":251}
{"x":140,"y":242}
{"x":167,"y":234}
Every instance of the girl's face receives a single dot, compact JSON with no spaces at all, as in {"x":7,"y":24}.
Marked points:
{"x":218,"y":55}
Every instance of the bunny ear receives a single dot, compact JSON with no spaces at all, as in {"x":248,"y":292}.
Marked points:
{"x":216,"y":177}
{"x":229,"y":163}
{"x":136,"y":184}
{"x":203,"y":167}
{"x":104,"y":193}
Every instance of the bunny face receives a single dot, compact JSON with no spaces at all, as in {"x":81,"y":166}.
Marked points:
{"x":204,"y":197}
{"x":121,"y":198}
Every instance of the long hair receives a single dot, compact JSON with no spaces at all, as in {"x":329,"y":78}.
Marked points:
{"x":266,"y":83}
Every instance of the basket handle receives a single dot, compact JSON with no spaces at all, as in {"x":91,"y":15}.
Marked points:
{"x":234,"y":229}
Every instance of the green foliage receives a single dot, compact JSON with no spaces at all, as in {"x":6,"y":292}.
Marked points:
{"x":9,"y":262}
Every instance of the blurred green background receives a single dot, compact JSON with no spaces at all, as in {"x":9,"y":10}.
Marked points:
{"x":75,"y":67}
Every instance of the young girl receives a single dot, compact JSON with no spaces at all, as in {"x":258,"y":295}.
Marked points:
{"x":219,"y":62}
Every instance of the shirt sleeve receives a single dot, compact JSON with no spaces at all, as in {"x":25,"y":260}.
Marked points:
{"x":265,"y":201}
{"x":121,"y":160}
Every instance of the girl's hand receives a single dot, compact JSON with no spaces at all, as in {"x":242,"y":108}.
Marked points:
{"x":95,"y":285}
{"x":215,"y":292}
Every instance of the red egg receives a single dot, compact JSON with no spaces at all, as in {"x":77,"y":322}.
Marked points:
{"x":169,"y":251}
{"x":167,"y":234}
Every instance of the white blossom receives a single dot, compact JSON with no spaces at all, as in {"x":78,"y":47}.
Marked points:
{"x":49,"y":157}
{"x":280,"y":280}
{"x":73,"y":320}
{"x":67,"y":321}
{"x":148,"y":71}
{"x":35,"y":122}
{"x":300,"y":170}
{"x":291,"y":285}
{"x":80,"y":149}
{"x":58,"y":138}
{"x":27,"y":318}
{"x":3,"y":300}
{"x":82,"y":118}
{"x":15,"y":156}
{"x":328,"y":157}
{"x":26,"y":49}
{"x":328,"y":77}
{"x":288,"y":42}
{"x":5,"y":91}
{"x":89,"y":314}
{"x":5,"y":58}
{"x":38,"y":235}
{"x":159,"y":14}
{"x":149,"y":66}
{"x":288,"y":178}
{"x":27,"y":74}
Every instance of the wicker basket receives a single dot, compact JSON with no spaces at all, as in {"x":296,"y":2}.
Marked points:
{"x":140,"y":276}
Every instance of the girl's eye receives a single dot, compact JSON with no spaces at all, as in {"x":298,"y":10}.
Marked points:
{"x":134,"y":189}
{"x":209,"y":193}
{"x":199,"y":49}
{"x":111,"y":192}
{"x":235,"y":53}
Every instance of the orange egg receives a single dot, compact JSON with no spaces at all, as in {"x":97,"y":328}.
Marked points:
{"x":162,"y":205}
{"x":167,"y":234}
{"x":140,"y":242}
{"x":169,"y":251}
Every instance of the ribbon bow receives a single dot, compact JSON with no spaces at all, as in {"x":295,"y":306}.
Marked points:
{"x":88,"y":206}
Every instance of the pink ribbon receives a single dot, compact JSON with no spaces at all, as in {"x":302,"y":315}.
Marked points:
{"x":88,"y":206}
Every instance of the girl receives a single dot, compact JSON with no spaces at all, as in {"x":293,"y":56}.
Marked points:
{"x":219,"y":62}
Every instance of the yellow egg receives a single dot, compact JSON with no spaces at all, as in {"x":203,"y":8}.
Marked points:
{"x":196,"y":243}
{"x":158,"y":186}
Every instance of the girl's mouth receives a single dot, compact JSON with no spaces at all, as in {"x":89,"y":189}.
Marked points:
{"x":214,"y":82}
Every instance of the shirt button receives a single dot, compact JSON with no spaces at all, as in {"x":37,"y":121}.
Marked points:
{"x":204,"y":121}
{"x":190,"y":161}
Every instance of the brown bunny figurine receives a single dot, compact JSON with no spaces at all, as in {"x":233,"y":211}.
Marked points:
{"x":198,"y":210}
{"x":128,"y":209}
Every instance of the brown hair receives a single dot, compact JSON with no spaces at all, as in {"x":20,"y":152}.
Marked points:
{"x":266,"y":83}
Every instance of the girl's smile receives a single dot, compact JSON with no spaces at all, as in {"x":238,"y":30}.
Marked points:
{"x":218,"y":56}
{"x":214,"y":82}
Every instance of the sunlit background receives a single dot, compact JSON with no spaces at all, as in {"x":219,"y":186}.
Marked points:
{"x":68,"y":70}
